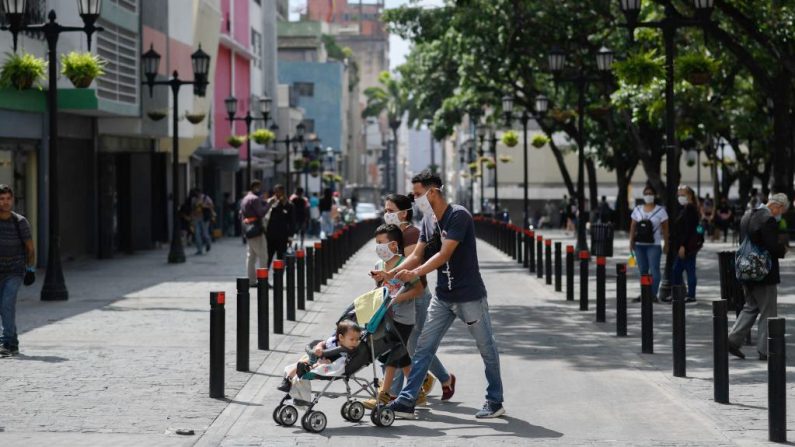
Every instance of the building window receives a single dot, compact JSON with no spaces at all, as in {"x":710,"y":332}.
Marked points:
{"x":304,"y":89}
{"x":256,"y":48}
{"x":309,"y":125}
{"x":119,"y":47}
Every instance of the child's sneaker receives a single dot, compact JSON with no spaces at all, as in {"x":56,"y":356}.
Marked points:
{"x":383,"y":399}
{"x":285,"y":386}
{"x":401,"y":410}
{"x":490,"y":410}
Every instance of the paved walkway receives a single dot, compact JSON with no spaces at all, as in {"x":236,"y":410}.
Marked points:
{"x":124,"y":362}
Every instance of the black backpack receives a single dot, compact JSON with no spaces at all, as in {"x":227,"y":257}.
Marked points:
{"x":644,"y":230}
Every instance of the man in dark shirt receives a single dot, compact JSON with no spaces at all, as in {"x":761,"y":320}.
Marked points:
{"x":281,"y":225}
{"x":252,"y":210}
{"x":761,"y":297}
{"x":17,"y":257}
{"x":460,"y":293}
{"x":301,"y":212}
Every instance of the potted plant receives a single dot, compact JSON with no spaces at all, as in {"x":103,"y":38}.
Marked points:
{"x":561,"y":115}
{"x":640,"y":68}
{"x":236,"y":140}
{"x":194,"y":118}
{"x":599,"y":110}
{"x":20,"y":71}
{"x":263,"y":136}
{"x":298,"y":164}
{"x":695,"y":68}
{"x":314,"y":167}
{"x":157,"y":115}
{"x":473,"y":166}
{"x":506,"y":158}
{"x":338,"y":178}
{"x":491,"y":165}
{"x":82,"y":68}
{"x":464,"y":175}
{"x":691,"y":163}
{"x":510,"y":138}
{"x":539,"y":141}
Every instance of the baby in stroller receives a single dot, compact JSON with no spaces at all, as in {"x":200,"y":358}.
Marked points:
{"x":335,"y":349}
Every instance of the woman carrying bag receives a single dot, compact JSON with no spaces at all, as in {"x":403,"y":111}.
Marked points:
{"x":647,"y":234}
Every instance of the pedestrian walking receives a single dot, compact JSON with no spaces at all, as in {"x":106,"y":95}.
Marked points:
{"x":254,"y":218}
{"x":17,"y":266}
{"x":314,"y":215}
{"x":687,"y":238}
{"x":460,"y":292}
{"x":228,"y":221}
{"x":759,"y":228}
{"x":202,"y":215}
{"x":281,"y":224}
{"x":398,"y":211}
{"x":724,"y":218}
{"x":326,"y":206}
{"x":301,"y":211}
{"x":648,"y":234}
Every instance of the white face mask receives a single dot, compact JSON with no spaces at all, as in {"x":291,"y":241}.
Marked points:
{"x":383,"y":251}
{"x":683,"y":200}
{"x":648,"y":199}
{"x":423,"y":204}
{"x":391,"y":219}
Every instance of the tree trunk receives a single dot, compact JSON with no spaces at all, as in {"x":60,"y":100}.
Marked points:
{"x":623,"y":177}
{"x":782,"y":137}
{"x":564,"y":171}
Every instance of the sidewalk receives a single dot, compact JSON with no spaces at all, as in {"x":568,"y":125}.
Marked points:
{"x":567,"y":382}
{"x":125,"y":360}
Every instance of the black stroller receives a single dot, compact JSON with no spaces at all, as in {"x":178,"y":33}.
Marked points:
{"x":380,"y":341}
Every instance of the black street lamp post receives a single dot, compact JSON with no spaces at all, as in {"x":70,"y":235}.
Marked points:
{"x":201,"y":67}
{"x":493,"y":141}
{"x":474,"y":119}
{"x":604,"y":62}
{"x":54,"y":288}
{"x":231,"y":111}
{"x":482,"y":131}
{"x":669,"y":24}
{"x":288,"y":142}
{"x":541,"y":106}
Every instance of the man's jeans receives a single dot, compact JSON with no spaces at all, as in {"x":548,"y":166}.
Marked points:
{"x":648,"y":257}
{"x":8,"y":309}
{"x":201,"y":230}
{"x":441,"y":314}
{"x":436,"y":368}
{"x":761,"y":300}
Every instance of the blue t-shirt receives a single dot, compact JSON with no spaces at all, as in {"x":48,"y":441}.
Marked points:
{"x":459,"y":279}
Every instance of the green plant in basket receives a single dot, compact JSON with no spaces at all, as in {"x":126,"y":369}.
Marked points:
{"x":640,"y":68}
{"x":263,"y":136}
{"x":696,"y":68}
{"x":82,"y":68}
{"x":236,"y":140}
{"x":510,"y":138}
{"x":539,"y":141}
{"x":20,"y":71}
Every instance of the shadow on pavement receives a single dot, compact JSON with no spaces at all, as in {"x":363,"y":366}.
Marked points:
{"x":40,"y":358}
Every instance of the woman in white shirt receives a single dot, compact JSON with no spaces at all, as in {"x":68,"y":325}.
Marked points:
{"x":648,"y":234}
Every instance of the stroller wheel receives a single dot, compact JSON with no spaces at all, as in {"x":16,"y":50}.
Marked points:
{"x":385,"y":417}
{"x":276,"y":417}
{"x":355,"y":411}
{"x":344,"y":410}
{"x":288,"y":415}
{"x":314,"y":421}
{"x":374,"y":418}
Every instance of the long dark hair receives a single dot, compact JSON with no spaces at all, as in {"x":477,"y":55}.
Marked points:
{"x":404,"y":203}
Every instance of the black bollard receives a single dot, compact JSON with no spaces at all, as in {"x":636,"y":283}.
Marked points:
{"x":300,"y":276}
{"x":678,"y":328}
{"x":621,"y":300}
{"x":217,"y":331}
{"x":527,"y":240}
{"x":243,"y":308}
{"x":278,"y":296}
{"x":584,"y":258}
{"x":548,"y":262}
{"x":776,"y":380}
{"x":532,"y":262}
{"x":720,"y":351}
{"x":310,"y":273}
{"x":519,"y":245}
{"x":539,"y":256}
{"x":318,"y":266}
{"x":646,"y":315}
{"x":601,"y":266}
{"x":569,"y":273}
{"x":290,"y":286}
{"x":558,"y":268}
{"x":326,"y":258}
{"x":263,"y":325}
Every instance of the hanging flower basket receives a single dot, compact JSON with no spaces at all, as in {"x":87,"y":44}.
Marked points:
{"x":696,"y":68}
{"x":82,"y":68}
{"x":236,"y":141}
{"x":690,"y":163}
{"x":510,"y":138}
{"x":298,"y":164}
{"x":561,"y":116}
{"x":464,"y":175}
{"x":22,"y":71}
{"x":699,"y":78}
{"x":539,"y":141}
{"x":263,"y":136}
{"x":599,"y":111}
{"x":156,"y":115}
{"x":506,"y":158}
{"x":491,"y":165}
{"x":194,"y":118}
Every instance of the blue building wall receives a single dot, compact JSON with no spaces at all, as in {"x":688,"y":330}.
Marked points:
{"x":325,"y":106}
